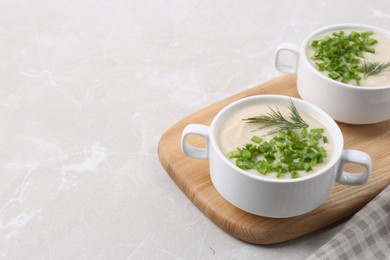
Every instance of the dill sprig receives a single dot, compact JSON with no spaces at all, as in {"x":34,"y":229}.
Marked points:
{"x":277,"y":120}
{"x":374,"y":68}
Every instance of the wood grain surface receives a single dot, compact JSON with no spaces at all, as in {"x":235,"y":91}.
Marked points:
{"x":192,"y":176}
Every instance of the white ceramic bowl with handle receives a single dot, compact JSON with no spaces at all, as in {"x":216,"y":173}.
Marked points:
{"x":278,"y":198}
{"x":343,"y":102}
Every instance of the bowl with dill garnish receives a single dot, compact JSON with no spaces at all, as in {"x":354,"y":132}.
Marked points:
{"x":345,"y":70}
{"x":274,"y":155}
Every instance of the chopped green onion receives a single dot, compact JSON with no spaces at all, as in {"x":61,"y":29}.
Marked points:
{"x":257,"y":139}
{"x":261,"y":166}
{"x":304,"y":132}
{"x":246,"y":154}
{"x":290,"y":151}
{"x":294,"y":175}
{"x":234,"y":154}
{"x":317,"y":130}
{"x":341,"y":54}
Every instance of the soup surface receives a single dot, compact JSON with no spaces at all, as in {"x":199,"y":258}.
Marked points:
{"x":234,"y":132}
{"x":382,"y":54}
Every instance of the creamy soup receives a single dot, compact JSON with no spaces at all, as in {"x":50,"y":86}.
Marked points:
{"x":234,"y":133}
{"x":382,"y":54}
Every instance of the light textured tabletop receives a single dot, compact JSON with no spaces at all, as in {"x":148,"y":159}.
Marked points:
{"x":87,"y":88}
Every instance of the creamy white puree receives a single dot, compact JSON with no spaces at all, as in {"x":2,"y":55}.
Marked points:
{"x":382,"y":54}
{"x":234,"y":132}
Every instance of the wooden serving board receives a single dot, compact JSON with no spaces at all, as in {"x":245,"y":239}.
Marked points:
{"x":192,"y":176}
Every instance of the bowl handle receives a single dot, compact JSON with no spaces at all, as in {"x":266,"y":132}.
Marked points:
{"x":357,"y":157}
{"x":282,"y":67}
{"x":190,"y":150}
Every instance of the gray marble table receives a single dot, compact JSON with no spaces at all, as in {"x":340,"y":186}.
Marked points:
{"x":86,"y":90}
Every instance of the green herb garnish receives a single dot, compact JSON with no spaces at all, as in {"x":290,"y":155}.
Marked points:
{"x":288,"y":152}
{"x":374,"y":68}
{"x":293,"y":147}
{"x":341,"y":54}
{"x":277,"y":120}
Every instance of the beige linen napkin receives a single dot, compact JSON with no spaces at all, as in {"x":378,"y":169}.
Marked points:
{"x":365,"y":236}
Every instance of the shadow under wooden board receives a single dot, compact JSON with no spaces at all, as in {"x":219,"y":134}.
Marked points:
{"x":192,"y":176}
